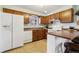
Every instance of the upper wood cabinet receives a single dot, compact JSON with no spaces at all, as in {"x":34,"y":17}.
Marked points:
{"x":66,"y":16}
{"x":54,"y":16}
{"x":45,"y":19}
{"x":12,"y":11}
{"x":26,"y":18}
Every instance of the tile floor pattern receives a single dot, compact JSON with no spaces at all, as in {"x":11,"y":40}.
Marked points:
{"x":34,"y":47}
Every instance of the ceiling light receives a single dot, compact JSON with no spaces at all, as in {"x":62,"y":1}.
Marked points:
{"x":42,"y":5}
{"x":45,"y":11}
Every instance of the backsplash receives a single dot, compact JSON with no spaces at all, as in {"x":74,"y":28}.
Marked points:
{"x":67,"y":25}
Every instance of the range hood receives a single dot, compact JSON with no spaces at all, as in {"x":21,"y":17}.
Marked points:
{"x":77,"y":13}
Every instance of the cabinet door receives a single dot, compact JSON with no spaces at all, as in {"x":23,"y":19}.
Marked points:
{"x":40,"y":34}
{"x":45,"y":33}
{"x":54,"y":16}
{"x":57,"y":15}
{"x":26,"y":19}
{"x":45,"y":19}
{"x":34,"y":35}
{"x":66,"y":16}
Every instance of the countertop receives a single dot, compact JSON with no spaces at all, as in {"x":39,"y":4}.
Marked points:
{"x":30,"y":29}
{"x":65,"y":34}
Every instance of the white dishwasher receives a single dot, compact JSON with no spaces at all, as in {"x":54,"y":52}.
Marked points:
{"x":27,"y":36}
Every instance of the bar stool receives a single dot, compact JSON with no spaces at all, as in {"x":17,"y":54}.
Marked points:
{"x":72,"y":47}
{"x":58,"y":48}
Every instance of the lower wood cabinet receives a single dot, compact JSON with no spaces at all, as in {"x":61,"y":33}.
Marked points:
{"x":45,"y":34}
{"x":39,"y":34}
{"x":34,"y":35}
{"x":65,"y":16}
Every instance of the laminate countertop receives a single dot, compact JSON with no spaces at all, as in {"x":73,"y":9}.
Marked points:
{"x":30,"y":29}
{"x":65,"y":34}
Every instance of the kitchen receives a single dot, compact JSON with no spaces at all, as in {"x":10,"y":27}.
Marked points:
{"x":38,"y":25}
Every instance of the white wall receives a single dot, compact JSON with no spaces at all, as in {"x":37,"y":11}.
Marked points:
{"x":77,"y":8}
{"x":67,"y":25}
{"x":0,"y":8}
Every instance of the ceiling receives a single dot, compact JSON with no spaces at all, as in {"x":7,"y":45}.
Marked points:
{"x":43,"y":9}
{"x":38,"y":9}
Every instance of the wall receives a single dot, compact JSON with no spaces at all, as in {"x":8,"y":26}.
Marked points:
{"x":0,"y":8}
{"x":77,"y":8}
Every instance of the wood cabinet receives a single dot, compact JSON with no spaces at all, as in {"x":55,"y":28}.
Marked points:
{"x":45,"y":19}
{"x":34,"y":35}
{"x":54,"y":16}
{"x":66,"y":16}
{"x":12,"y":11}
{"x":45,"y":33}
{"x":39,"y":34}
{"x":26,"y":19}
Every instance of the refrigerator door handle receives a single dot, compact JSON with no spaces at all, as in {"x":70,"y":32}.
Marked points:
{"x":5,"y":26}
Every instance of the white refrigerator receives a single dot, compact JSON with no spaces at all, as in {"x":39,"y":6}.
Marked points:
{"x":11,"y":31}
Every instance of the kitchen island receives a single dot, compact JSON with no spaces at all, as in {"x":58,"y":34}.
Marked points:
{"x":56,"y":39}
